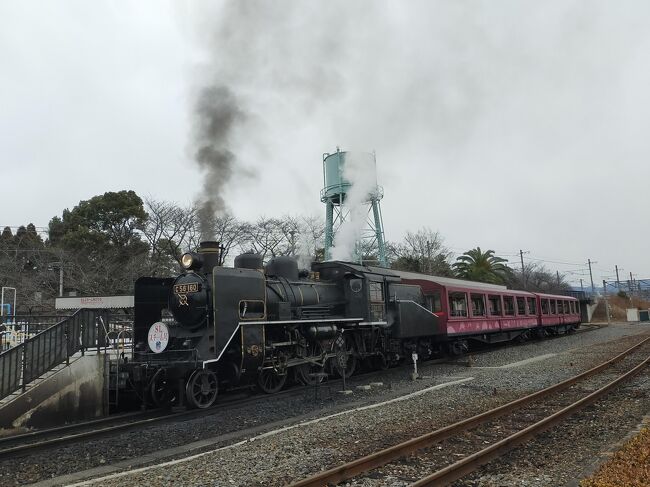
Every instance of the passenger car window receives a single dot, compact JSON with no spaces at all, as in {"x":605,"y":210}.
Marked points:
{"x":495,"y":305}
{"x":457,"y":304}
{"x":545,"y":307}
{"x":478,"y":305}
{"x":532,"y":306}
{"x":509,"y":305}
{"x":521,"y":306}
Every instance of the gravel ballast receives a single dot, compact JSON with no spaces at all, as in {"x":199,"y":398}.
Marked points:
{"x":294,"y":453}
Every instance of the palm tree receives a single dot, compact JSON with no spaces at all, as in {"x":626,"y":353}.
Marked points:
{"x":476,"y":265}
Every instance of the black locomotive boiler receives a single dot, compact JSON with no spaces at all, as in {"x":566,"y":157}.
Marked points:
{"x":216,"y":327}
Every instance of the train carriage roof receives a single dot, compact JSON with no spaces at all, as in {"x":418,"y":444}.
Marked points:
{"x":382,"y":271}
{"x":556,"y":296}
{"x":452,"y":282}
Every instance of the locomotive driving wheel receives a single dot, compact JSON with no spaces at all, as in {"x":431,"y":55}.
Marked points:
{"x":201,"y":389}
{"x":311,"y":373}
{"x":162,"y":394}
{"x":271,"y":379}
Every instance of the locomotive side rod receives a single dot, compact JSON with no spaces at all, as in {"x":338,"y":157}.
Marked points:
{"x":383,"y":457}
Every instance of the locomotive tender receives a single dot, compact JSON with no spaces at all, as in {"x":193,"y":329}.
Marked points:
{"x":215,"y":326}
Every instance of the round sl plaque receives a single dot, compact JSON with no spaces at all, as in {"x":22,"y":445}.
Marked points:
{"x":158,"y":337}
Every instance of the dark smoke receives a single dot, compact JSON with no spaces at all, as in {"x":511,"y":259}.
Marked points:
{"x":217,"y":112}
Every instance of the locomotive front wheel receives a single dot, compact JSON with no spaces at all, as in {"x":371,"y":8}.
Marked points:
{"x":271,"y":380}
{"x":161,"y":393}
{"x":201,"y":389}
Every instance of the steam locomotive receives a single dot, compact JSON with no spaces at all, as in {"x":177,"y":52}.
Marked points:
{"x":216,"y":327}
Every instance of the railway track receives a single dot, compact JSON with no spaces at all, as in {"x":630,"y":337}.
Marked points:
{"x":502,"y":428}
{"x":25,"y":444}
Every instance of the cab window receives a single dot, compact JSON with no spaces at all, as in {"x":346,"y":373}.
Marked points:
{"x":376,"y":295}
{"x":251,"y":310}
{"x":434,"y":303}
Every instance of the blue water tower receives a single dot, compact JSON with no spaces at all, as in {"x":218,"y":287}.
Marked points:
{"x":344,"y":174}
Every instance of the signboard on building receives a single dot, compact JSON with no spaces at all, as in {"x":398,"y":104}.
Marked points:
{"x":96,"y":302}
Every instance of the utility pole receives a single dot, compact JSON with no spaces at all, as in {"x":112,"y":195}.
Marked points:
{"x":581,"y":288}
{"x":557,"y":274}
{"x":591,"y":276}
{"x":618,"y":283}
{"x":523,"y":272}
{"x":429,"y":256}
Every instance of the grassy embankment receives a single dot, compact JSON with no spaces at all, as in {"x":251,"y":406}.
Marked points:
{"x":628,"y":467}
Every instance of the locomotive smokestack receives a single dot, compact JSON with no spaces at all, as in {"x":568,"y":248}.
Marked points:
{"x":211,"y":254}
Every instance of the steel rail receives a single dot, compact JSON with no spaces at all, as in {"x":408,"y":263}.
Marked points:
{"x":42,"y":433}
{"x":28,"y":441}
{"x":387,"y":455}
{"x":472,"y":462}
{"x":155,"y":417}
{"x":27,"y":448}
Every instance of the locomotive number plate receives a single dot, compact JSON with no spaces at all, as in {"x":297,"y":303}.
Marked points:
{"x":192,"y":287}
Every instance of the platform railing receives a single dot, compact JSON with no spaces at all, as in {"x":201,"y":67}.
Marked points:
{"x":20,"y":365}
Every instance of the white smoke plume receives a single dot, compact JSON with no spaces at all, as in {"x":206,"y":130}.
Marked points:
{"x":360,"y":171}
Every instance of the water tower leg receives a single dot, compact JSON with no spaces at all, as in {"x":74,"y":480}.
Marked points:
{"x":379,"y":231}
{"x":329,"y":229}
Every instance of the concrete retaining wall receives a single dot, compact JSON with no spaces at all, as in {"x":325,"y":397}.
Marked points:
{"x":74,"y":393}
{"x":591,"y":308}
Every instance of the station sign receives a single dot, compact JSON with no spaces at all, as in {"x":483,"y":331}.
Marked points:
{"x":94,"y":302}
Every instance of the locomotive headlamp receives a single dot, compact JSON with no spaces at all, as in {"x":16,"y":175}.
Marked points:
{"x":191,"y":261}
{"x":187,"y":260}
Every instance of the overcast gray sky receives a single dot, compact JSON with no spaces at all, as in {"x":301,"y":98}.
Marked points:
{"x":510,"y":125}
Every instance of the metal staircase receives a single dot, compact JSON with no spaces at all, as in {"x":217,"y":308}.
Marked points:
{"x":43,"y":354}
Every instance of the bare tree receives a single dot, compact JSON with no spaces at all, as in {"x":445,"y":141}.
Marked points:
{"x":231,"y":233}
{"x":312,"y":237}
{"x":170,"y":230}
{"x":537,"y":279}
{"x":267,"y":237}
{"x":422,"y":251}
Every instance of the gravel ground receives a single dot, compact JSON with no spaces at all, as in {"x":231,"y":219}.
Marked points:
{"x":562,"y":454}
{"x":295,"y":453}
{"x":409,"y":469}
